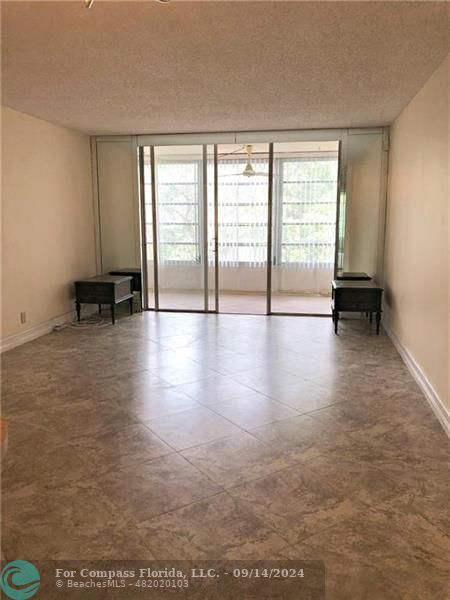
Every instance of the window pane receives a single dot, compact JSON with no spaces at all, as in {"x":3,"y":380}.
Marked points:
{"x":177,"y":252}
{"x":179,"y":190}
{"x":179,"y":193}
{"x":178,"y":213}
{"x":242,"y":211}
{"x":308,"y":210}
{"x":177,"y":233}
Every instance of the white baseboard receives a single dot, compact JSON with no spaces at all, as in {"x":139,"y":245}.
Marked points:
{"x":439,"y":408}
{"x":17,"y":339}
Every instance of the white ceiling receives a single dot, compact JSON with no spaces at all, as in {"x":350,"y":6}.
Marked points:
{"x":144,"y":67}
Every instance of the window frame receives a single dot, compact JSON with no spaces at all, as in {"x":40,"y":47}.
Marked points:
{"x":277,"y":242}
{"x":198,"y":244}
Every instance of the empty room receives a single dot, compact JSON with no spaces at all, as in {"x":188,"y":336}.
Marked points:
{"x":225,"y":300}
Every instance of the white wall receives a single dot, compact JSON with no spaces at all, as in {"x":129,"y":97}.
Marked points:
{"x":118,"y":204}
{"x":48,"y":223}
{"x":417,"y":244}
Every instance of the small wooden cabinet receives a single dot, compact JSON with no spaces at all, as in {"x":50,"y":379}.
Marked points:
{"x":356,"y":296}
{"x":103,"y":289}
{"x":136,"y":275}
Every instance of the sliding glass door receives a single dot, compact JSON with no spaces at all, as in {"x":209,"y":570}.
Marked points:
{"x":179,"y":227}
{"x":178,"y":238}
{"x":243,"y":184}
{"x":304,"y":209}
{"x":240,"y":228}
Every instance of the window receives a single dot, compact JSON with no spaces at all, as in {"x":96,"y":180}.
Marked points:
{"x":242,"y":213}
{"x":304,"y":217}
{"x":178,"y":207}
{"x":306,"y":211}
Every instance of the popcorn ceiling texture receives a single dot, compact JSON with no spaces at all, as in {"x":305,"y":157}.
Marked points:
{"x":135,"y":67}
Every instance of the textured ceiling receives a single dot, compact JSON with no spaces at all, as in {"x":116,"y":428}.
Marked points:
{"x":144,"y":67}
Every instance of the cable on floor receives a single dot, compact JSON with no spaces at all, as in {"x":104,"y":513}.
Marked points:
{"x":89,"y":323}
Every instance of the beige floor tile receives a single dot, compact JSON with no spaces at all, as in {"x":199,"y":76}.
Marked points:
{"x":131,"y":445}
{"x":351,"y":473}
{"x":217,"y":388}
{"x":157,"y":403}
{"x":81,"y":418}
{"x":253,"y":410}
{"x":425,"y":487}
{"x":267,"y":380}
{"x":350,"y":415}
{"x":295,"y":503}
{"x":347,"y":579}
{"x":73,"y":522}
{"x":145,"y":490}
{"x":192,"y":428}
{"x":308,"y":397}
{"x":35,"y":454}
{"x":177,"y":374}
{"x":211,"y":529}
{"x":302,"y":437}
{"x":408,"y":441}
{"x":133,"y":386}
{"x":406,"y":550}
{"x":237,"y":459}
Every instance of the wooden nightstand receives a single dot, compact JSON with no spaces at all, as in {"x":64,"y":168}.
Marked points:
{"x":103,"y":289}
{"x":356,"y":296}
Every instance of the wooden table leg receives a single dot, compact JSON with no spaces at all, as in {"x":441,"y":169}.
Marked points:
{"x":78,"y":309}
{"x":99,"y":309}
{"x":113,"y":314}
{"x":378,"y":320}
{"x":130,"y":302}
{"x":335,"y":320}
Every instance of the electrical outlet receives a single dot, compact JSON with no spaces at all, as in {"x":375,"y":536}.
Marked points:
{"x":23,"y":317}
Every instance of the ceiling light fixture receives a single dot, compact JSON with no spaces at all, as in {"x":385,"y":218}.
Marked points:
{"x":89,"y":3}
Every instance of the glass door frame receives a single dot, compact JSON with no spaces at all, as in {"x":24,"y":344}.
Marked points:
{"x":212,"y":140}
{"x":340,"y":191}
{"x":269,"y":233}
{"x":203,"y":226}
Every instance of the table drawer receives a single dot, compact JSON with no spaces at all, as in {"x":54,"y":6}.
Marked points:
{"x":122,"y":289}
{"x":102,"y":292}
{"x":357,"y":300}
{"x":94,"y":292}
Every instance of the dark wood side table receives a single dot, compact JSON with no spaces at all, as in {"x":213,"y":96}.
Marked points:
{"x":103,"y":289}
{"x":136,"y":275}
{"x":356,"y":296}
{"x":353,"y":276}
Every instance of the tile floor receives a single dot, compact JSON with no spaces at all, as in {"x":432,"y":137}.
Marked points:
{"x":215,"y":436}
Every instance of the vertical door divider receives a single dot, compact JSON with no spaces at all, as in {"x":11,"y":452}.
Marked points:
{"x":269,"y":232}
{"x":144,"y":263}
{"x":205,"y":227}
{"x":216,"y":229}
{"x":154,"y":227}
{"x":337,"y":240}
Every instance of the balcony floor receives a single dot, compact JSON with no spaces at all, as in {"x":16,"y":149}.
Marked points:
{"x":247,"y":303}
